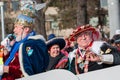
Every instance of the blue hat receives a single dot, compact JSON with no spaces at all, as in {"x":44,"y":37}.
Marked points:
{"x":52,"y":39}
{"x":51,"y":36}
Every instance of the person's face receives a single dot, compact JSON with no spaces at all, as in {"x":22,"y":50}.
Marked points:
{"x":118,"y":45}
{"x":54,"y":50}
{"x":19,"y":32}
{"x":84,"y":39}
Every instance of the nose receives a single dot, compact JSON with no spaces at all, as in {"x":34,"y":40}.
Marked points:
{"x":14,"y":29}
{"x":83,"y":37}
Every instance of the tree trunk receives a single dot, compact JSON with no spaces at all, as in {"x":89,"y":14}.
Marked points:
{"x":40,"y":26}
{"x":81,"y":12}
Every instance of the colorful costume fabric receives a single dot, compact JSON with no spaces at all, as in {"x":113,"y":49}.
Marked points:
{"x":82,"y":65}
{"x":107,"y":49}
{"x":54,"y":61}
{"x":32,"y":58}
{"x":28,"y":55}
{"x":14,"y":67}
{"x":60,"y":60}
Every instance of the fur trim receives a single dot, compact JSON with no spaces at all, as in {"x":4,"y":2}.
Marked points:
{"x":108,"y":59}
{"x":96,"y":47}
{"x":37,"y":37}
{"x":21,"y":62}
{"x":72,"y":55}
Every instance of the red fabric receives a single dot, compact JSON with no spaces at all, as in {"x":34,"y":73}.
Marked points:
{"x":118,"y":49}
{"x":62,"y":63}
{"x":64,"y":52}
{"x":14,"y":69}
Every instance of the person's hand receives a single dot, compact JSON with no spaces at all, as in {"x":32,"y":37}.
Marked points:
{"x":89,"y":55}
{"x":94,"y":58}
{"x":6,"y":69}
{"x":5,"y":52}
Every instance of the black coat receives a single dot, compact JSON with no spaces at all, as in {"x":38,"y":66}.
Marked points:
{"x":91,"y":67}
{"x":112,"y":50}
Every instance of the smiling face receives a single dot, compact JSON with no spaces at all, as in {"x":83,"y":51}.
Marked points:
{"x":84,"y":39}
{"x":54,"y":50}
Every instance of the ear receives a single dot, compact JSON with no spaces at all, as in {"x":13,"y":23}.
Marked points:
{"x":48,"y":51}
{"x":26,"y":29}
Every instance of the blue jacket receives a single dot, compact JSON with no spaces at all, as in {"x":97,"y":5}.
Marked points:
{"x":33,"y":56}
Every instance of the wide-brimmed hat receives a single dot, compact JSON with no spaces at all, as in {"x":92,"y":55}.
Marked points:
{"x":52,"y":39}
{"x":80,"y":29}
{"x":116,"y":38}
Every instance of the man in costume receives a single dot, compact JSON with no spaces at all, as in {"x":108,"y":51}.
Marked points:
{"x":107,"y":55}
{"x":28,"y":55}
{"x":84,"y":36}
{"x":91,"y":54}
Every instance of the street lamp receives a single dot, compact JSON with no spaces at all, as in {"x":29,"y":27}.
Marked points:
{"x":2,"y":20}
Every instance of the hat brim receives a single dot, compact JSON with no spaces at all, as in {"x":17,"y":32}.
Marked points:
{"x":93,"y":30}
{"x":116,"y":38}
{"x":117,"y":41}
{"x":59,"y":41}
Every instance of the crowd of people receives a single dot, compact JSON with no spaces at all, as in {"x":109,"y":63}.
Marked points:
{"x":26,"y":53}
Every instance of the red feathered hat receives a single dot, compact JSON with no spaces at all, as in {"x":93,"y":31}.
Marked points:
{"x":80,"y":29}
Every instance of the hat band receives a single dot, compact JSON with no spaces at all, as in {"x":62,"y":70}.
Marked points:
{"x":23,"y":22}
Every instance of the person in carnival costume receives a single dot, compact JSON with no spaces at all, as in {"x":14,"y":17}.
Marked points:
{"x":107,"y":54}
{"x":84,"y":36}
{"x":92,"y":53}
{"x":57,"y":58}
{"x":28,"y":55}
